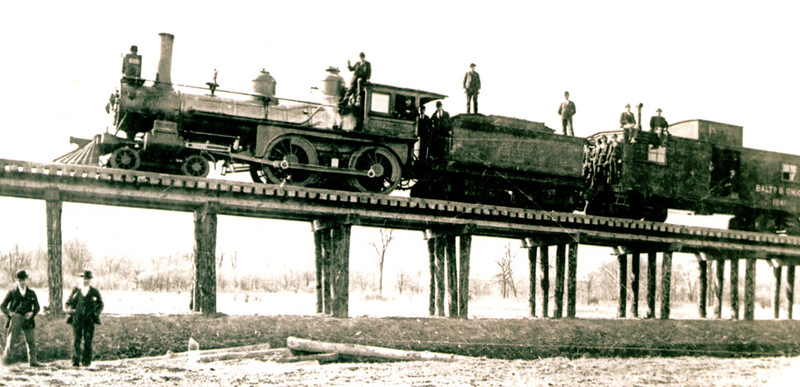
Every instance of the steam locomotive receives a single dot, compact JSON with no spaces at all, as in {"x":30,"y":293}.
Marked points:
{"x":371,"y":144}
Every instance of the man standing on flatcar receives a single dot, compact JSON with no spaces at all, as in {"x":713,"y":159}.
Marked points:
{"x":472,"y":86}
{"x":566,"y":110}
{"x":362,"y":71}
{"x":440,"y":132}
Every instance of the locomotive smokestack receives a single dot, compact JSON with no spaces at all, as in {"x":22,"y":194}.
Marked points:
{"x":164,"y":75}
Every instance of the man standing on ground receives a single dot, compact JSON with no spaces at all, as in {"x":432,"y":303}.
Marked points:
{"x":472,"y":86}
{"x":566,"y":110}
{"x":84,"y":306}
{"x":20,"y":307}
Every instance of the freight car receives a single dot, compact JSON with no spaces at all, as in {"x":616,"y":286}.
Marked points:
{"x":701,"y":166}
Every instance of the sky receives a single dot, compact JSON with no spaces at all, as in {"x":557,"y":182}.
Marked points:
{"x":734,"y":62}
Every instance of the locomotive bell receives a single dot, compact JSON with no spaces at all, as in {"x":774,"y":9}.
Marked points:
{"x":264,"y":85}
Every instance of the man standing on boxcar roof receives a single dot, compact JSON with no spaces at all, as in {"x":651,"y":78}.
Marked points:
{"x":20,"y":307}
{"x":84,"y":306}
{"x":659,"y":125}
{"x":472,"y":86}
{"x":566,"y":110}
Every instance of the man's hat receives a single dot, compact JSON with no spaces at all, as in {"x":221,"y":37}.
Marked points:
{"x":472,"y":65}
{"x":21,"y":275}
{"x":361,"y":54}
{"x":658,"y":110}
{"x":86,"y":274}
{"x":627,"y":105}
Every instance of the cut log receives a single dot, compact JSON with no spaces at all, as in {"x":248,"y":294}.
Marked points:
{"x":297,"y":344}
{"x":322,"y":358}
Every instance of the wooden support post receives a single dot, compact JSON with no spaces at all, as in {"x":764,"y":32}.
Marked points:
{"x":55,"y":281}
{"x":790,"y":272}
{"x":734,"y":278}
{"x":465,"y":247}
{"x":532,"y":250}
{"x":776,"y":299}
{"x":440,"y":252}
{"x":666,"y":283}
{"x":432,"y":261}
{"x":702,"y":266}
{"x":750,"y":289}
{"x":544,"y":266}
{"x":622,"y":260}
{"x":320,"y":268}
{"x":561,"y":260}
{"x":720,"y":264}
{"x":340,"y":247}
{"x":329,"y":265}
{"x":205,"y":261}
{"x":651,"y":284}
{"x":452,"y":276}
{"x":635,"y":267}
{"x":572,"y":280}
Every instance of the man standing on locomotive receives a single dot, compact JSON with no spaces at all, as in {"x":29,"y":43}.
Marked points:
{"x":566,"y":110}
{"x":472,"y":86}
{"x":440,"y":132}
{"x":362,"y":71}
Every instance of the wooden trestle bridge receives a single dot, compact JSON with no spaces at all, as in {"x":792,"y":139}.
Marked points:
{"x":332,"y":213}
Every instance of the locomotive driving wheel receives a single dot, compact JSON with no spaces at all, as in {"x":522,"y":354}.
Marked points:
{"x":196,"y":165}
{"x":281,"y":154}
{"x":383,"y":168}
{"x":125,"y":158}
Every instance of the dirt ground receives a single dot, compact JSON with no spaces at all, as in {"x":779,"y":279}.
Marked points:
{"x":559,"y":371}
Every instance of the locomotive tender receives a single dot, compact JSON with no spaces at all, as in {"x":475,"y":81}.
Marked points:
{"x":701,"y":166}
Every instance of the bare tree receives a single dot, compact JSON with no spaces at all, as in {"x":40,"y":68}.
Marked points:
{"x":505,"y":277}
{"x":76,"y":256}
{"x":402,"y":281}
{"x":380,"y":250}
{"x":15,"y":260}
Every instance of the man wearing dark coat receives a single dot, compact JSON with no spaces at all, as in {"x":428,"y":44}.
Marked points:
{"x":472,"y":86}
{"x":84,"y":306}
{"x":440,"y":132}
{"x":20,"y":307}
{"x":362,"y":71}
{"x":566,"y":110}
{"x":659,"y":126}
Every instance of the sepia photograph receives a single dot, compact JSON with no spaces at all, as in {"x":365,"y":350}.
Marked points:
{"x":416,"y":193}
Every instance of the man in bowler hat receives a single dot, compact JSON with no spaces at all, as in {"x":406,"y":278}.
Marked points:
{"x":84,"y":306}
{"x":472,"y":86}
{"x":20,"y":307}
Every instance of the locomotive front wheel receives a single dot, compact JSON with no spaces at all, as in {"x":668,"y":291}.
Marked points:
{"x":195,"y":165}
{"x":125,"y":158}
{"x":283,"y":150}
{"x":382,"y":166}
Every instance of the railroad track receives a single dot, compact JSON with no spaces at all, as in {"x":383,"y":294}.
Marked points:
{"x":96,"y":185}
